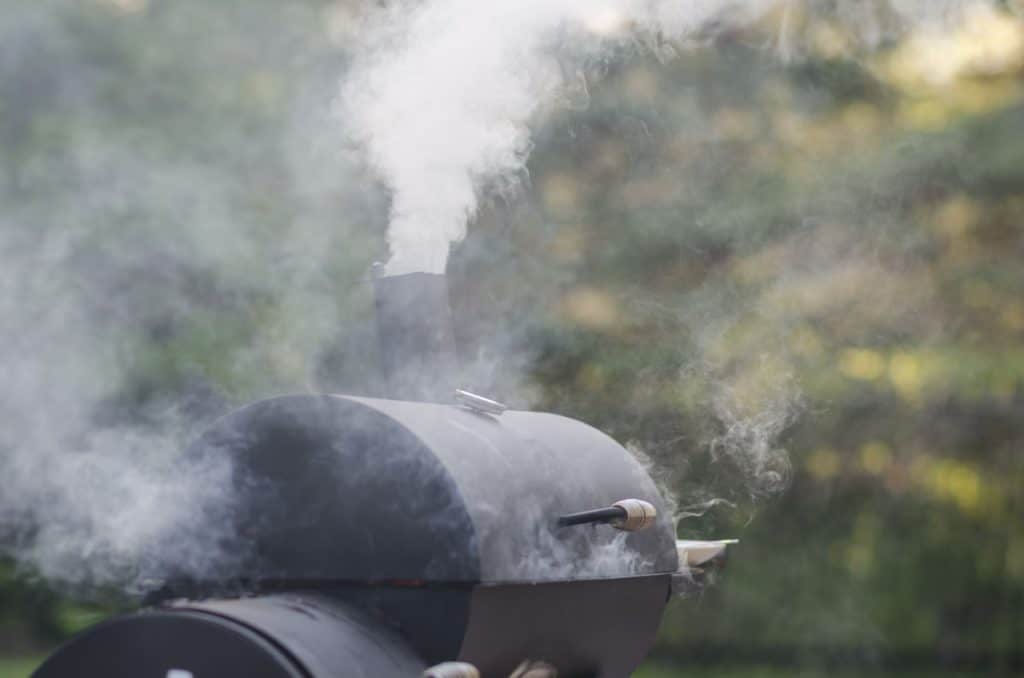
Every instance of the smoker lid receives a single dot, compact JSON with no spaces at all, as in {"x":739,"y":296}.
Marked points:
{"x":340,"y":488}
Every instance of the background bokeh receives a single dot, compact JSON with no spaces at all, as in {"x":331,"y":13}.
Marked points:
{"x":782,"y":239}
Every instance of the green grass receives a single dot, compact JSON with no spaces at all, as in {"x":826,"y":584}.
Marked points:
{"x":18,"y":668}
{"x":679,"y":672}
{"x":666,"y":671}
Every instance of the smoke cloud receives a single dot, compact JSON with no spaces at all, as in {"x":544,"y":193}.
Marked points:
{"x":131,"y":221}
{"x":443,"y":96}
{"x":130,"y":247}
{"x":88,"y":500}
{"x":443,"y":92}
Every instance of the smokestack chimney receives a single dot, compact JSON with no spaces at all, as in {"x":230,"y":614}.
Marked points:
{"x":415,"y":339}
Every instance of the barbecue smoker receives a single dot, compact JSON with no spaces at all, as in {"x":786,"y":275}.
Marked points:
{"x":434,"y":536}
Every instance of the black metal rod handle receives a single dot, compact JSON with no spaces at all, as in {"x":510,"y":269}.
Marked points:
{"x":601,"y":515}
{"x":628,"y":514}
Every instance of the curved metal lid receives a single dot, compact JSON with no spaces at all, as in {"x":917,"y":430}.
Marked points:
{"x":360,"y":489}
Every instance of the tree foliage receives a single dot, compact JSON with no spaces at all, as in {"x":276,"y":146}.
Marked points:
{"x":722,"y":255}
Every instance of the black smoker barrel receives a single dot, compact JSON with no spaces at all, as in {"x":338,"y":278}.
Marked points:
{"x":272,"y":636}
{"x":379,"y":537}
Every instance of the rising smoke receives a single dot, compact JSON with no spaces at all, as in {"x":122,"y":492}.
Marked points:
{"x":443,"y":92}
{"x":441,"y":95}
{"x":130,"y":246}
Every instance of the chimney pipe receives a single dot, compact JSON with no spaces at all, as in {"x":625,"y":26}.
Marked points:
{"x":415,"y":339}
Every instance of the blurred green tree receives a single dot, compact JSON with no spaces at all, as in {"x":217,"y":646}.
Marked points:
{"x":722,"y":255}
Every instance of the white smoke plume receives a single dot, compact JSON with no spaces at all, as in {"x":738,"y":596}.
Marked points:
{"x":443,"y":92}
{"x":85,"y":501}
{"x":112,"y":243}
{"x":443,"y":95}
